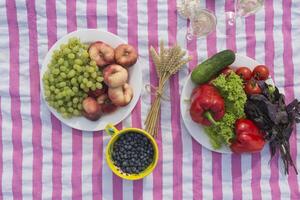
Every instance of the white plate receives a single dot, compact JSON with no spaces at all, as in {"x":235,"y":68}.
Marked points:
{"x":135,"y":80}
{"x":196,"y":130}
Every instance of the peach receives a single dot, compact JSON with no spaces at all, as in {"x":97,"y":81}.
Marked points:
{"x":105,"y":103}
{"x":91,"y":109}
{"x":115,"y":75}
{"x":126,"y":55}
{"x":121,"y":96}
{"x":101,"y":53}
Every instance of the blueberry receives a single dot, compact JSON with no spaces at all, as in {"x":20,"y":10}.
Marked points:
{"x":124,"y":163}
{"x":144,"y":166}
{"x":132,"y":162}
{"x":127,"y":170}
{"x":132,"y":152}
{"x":140,"y":169}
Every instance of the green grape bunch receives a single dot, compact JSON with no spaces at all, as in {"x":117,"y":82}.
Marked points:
{"x":71,"y":74}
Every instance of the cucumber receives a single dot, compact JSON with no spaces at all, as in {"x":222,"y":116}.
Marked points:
{"x":206,"y":70}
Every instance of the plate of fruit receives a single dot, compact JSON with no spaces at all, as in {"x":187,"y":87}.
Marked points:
{"x":91,"y":78}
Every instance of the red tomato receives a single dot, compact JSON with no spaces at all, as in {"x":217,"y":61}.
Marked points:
{"x":260,"y":72}
{"x":226,"y":71}
{"x":244,"y":72}
{"x":252,"y":87}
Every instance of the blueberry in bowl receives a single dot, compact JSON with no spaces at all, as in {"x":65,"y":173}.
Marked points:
{"x":131,"y":153}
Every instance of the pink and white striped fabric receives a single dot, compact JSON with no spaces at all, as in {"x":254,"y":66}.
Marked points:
{"x":41,"y":158}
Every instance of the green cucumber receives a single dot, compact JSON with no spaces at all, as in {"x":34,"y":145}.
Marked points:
{"x":206,"y":70}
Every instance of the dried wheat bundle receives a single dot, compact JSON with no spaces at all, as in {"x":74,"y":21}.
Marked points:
{"x":167,"y":62}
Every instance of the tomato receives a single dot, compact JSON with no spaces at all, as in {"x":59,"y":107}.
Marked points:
{"x":226,"y":71}
{"x":260,"y":72}
{"x":244,"y":72}
{"x":252,"y":87}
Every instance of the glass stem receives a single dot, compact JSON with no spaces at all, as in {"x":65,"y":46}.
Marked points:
{"x":230,"y":18}
{"x":189,"y":35}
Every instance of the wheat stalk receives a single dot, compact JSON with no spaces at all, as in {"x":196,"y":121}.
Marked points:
{"x":167,"y":62}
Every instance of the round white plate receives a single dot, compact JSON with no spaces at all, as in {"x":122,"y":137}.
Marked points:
{"x":135,"y":80}
{"x":196,"y":130}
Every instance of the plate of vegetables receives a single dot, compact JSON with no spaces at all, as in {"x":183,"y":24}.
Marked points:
{"x":229,"y":104}
{"x":91,"y":78}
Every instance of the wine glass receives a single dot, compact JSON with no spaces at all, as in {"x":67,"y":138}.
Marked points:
{"x":243,"y":8}
{"x":201,"y":21}
{"x":184,"y":7}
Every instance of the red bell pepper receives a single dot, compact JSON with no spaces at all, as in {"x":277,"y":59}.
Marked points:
{"x":207,"y":105}
{"x":248,"y":137}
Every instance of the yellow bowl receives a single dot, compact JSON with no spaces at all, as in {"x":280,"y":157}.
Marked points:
{"x":115,"y":133}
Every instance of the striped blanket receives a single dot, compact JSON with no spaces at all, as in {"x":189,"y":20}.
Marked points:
{"x":41,"y":158}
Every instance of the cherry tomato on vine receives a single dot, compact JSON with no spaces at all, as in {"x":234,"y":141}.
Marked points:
{"x":244,"y":72}
{"x":260,"y":72}
{"x":252,"y":87}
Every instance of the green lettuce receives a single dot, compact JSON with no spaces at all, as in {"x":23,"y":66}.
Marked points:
{"x":231,"y":89}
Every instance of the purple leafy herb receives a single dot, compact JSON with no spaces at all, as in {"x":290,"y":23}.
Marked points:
{"x":270,"y":113}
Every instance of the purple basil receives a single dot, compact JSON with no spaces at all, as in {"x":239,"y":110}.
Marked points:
{"x":270,"y":113}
